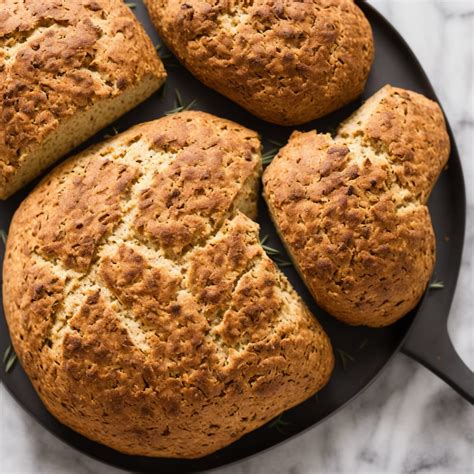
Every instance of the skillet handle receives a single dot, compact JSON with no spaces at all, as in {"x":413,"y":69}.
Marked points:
{"x":428,"y":342}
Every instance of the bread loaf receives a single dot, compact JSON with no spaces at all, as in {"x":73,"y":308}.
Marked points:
{"x":285,"y":62}
{"x":139,"y":299}
{"x":67,"y":69}
{"x":352,"y":209}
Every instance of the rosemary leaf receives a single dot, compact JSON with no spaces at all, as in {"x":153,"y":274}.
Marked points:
{"x":352,"y":359}
{"x":270,"y":250}
{"x":190,"y":105}
{"x":268,"y":156}
{"x":131,"y":5}
{"x":279,"y":423}
{"x":3,"y":237}
{"x":281,"y":262}
{"x":363,"y":344}
{"x":274,"y":254}
{"x":10,"y":362}
{"x":166,"y":55}
{"x":170,"y":61}
{"x":274,"y":142}
{"x":179,"y":99}
{"x":437,"y":285}
{"x":110,"y":135}
{"x":345,"y":358}
{"x":179,"y":104}
{"x":7,"y":353}
{"x":174,"y":111}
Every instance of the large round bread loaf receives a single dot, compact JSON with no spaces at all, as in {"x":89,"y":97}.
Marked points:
{"x":139,"y":299}
{"x":352,"y":209}
{"x":67,"y":69}
{"x":287,"y":62}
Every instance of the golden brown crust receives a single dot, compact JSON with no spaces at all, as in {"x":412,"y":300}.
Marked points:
{"x":57,"y":59}
{"x":135,"y":336}
{"x":352,"y":209}
{"x":285,"y":62}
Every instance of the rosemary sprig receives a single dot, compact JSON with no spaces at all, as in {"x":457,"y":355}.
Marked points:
{"x":131,"y":5}
{"x":274,"y":254}
{"x":345,"y":358}
{"x":9,"y":359}
{"x":3,"y":237}
{"x":437,"y":285}
{"x":268,"y":156}
{"x":279,"y":424}
{"x":179,"y":104}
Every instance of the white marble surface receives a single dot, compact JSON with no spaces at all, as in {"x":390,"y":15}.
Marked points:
{"x":408,"y":420}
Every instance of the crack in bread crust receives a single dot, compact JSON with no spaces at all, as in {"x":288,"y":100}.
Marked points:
{"x":352,"y":209}
{"x":65,"y":64}
{"x":137,"y":331}
{"x":285,"y":62}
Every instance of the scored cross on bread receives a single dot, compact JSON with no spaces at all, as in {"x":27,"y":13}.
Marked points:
{"x":141,"y":303}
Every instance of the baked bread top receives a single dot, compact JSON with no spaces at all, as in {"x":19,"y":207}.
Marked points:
{"x":58,"y":58}
{"x":139,"y":299}
{"x":352,"y":209}
{"x":285,"y":62}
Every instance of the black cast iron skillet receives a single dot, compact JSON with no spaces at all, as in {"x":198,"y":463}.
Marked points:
{"x":361,"y":353}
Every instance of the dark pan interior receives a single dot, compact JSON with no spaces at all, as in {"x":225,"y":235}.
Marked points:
{"x":365,"y":351}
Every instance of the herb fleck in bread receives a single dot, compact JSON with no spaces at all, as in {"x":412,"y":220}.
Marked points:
{"x":285,"y":62}
{"x":140,"y":301}
{"x":67,"y":69}
{"x":352,"y":209}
